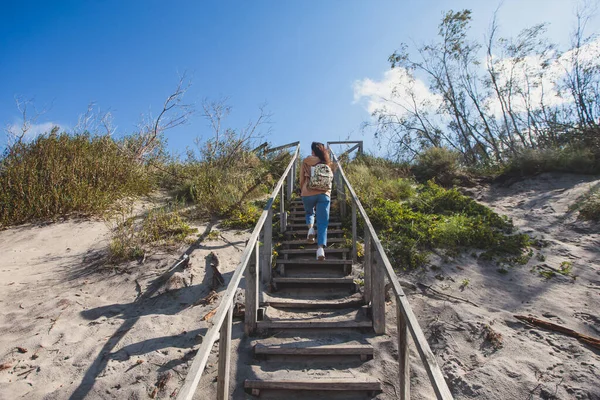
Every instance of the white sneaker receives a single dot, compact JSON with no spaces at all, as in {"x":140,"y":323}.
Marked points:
{"x":320,"y":254}
{"x":311,"y":236}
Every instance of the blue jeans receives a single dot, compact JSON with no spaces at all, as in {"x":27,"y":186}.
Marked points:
{"x":321,"y":202}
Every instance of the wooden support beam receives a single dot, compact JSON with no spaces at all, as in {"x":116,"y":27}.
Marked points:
{"x":285,"y":146}
{"x":367,"y":264}
{"x":378,"y":294}
{"x":403,"y":355}
{"x":282,"y":214}
{"x":224,"y":357}
{"x":251,"y":295}
{"x":267,"y":249}
{"x":354,"y":249}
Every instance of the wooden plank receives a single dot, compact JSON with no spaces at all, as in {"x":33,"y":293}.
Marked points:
{"x":261,"y":147}
{"x":434,"y":373}
{"x":312,"y":251}
{"x":292,"y":225}
{"x":378,"y":295}
{"x":403,"y":355}
{"x":303,"y":241}
{"x":312,"y":324}
{"x":354,"y":251}
{"x":350,"y":150}
{"x":320,"y":384}
{"x":195,"y":372}
{"x":282,"y":213}
{"x":367,"y":264}
{"x":305,"y":232}
{"x":300,"y":349}
{"x":251,"y":296}
{"x":302,"y":220}
{"x":267,"y":249}
{"x":224,"y":357}
{"x":315,"y":304}
{"x":332,"y":281}
{"x":285,"y":146}
{"x":290,"y":184}
{"x":344,"y":142}
{"x":315,"y":262}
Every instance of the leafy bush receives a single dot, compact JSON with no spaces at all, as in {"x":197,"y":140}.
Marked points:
{"x":414,"y":219}
{"x":438,"y":163}
{"x":160,"y":227}
{"x":60,"y":174}
{"x":574,"y":159}
{"x":409,"y":230}
{"x":590,"y":208}
{"x":244,"y":217}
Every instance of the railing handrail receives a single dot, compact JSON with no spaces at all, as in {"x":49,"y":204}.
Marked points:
{"x":285,"y":146}
{"x":195,"y":372}
{"x":427,"y":357}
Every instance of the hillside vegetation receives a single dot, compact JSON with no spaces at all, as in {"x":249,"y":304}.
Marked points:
{"x":415,"y":218}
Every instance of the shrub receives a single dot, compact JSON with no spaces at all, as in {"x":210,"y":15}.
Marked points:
{"x":590,"y":208}
{"x":131,"y":238}
{"x":60,"y":174}
{"x":569,"y":158}
{"x":438,"y":163}
{"x":433,"y":217}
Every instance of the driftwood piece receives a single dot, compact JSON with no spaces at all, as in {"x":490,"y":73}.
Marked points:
{"x":160,"y":384}
{"x":217,"y":278}
{"x":209,"y":315}
{"x":442,"y":294}
{"x":209,"y":299}
{"x":589,"y":340}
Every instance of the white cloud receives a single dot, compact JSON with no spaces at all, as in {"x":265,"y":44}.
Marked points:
{"x":33,"y":131}
{"x":393,"y":92}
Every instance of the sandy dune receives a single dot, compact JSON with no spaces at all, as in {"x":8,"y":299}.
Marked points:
{"x":89,"y":331}
{"x":96,"y":333}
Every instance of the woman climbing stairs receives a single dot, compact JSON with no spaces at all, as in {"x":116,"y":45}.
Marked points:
{"x":321,"y":319}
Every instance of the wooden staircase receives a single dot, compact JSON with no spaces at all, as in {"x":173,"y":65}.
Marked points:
{"x":307,"y":325}
{"x":321,"y":320}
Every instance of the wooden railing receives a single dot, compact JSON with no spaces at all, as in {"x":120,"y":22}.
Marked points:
{"x":255,"y":258}
{"x":376,"y":267}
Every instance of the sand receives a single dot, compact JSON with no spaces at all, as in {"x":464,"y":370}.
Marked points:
{"x":91,"y":331}
{"x":101,"y":333}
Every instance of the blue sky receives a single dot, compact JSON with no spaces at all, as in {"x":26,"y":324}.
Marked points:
{"x":301,"y":57}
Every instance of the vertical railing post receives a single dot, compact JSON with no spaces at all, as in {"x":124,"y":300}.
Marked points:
{"x":378,"y":294}
{"x":290,"y":183}
{"x":403,"y":360}
{"x":251,"y":311}
{"x":282,"y":214}
{"x":294,"y":177}
{"x":368,"y":264}
{"x":342,"y":198}
{"x":224,"y":357}
{"x":267,"y":249}
{"x":354,"y":250}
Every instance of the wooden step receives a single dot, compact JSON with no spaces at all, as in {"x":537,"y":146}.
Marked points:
{"x":314,"y":281}
{"x":313,"y":324}
{"x":300,"y":349}
{"x":312,"y":251}
{"x":305,"y":232}
{"x":302,"y":220}
{"x":313,"y":384}
{"x":303,"y":242}
{"x":303,"y":225}
{"x":351,"y":302}
{"x":302,"y":261}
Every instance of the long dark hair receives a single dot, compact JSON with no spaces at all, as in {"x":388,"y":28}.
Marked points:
{"x":321,"y":152}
